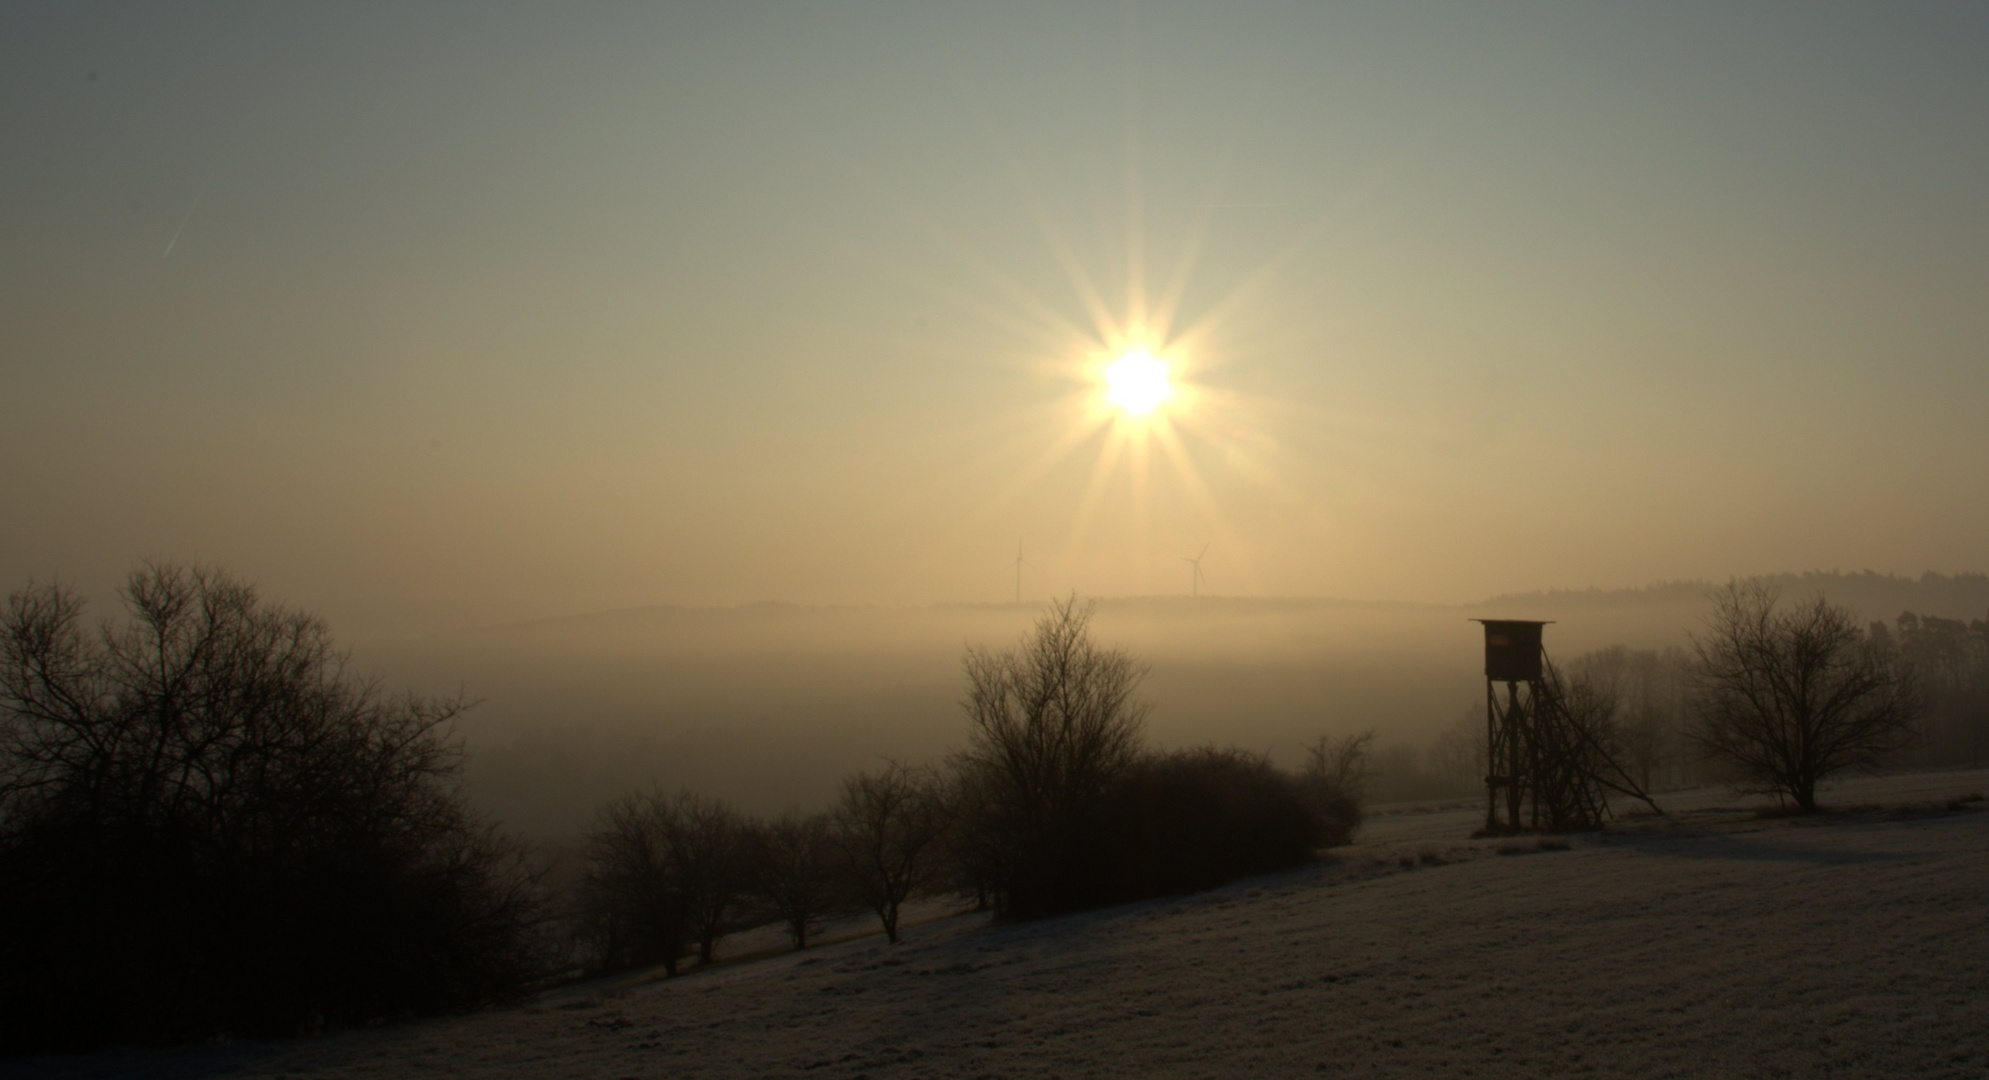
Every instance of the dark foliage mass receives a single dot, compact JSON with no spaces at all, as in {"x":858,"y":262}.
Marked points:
{"x":1949,"y":661}
{"x":1195,"y":819}
{"x":208,"y":827}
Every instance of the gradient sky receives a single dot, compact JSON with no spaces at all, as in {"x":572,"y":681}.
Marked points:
{"x":474,"y":313}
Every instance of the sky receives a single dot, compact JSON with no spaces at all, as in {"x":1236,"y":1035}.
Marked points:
{"x":452,"y":314}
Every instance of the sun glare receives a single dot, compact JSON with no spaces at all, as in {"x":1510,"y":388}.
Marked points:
{"x":1137,"y":383}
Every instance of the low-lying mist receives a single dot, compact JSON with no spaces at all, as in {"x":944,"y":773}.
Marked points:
{"x":769,"y":705}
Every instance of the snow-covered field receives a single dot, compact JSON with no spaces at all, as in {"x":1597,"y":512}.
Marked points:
{"x":1715,"y":944}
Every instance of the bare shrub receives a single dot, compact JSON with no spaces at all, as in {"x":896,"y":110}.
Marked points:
{"x":1787,"y":697}
{"x":890,"y":827}
{"x":1343,"y":762}
{"x":207,"y":825}
{"x":1334,"y":781}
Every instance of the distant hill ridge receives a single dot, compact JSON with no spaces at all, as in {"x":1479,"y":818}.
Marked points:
{"x":1875,"y":595}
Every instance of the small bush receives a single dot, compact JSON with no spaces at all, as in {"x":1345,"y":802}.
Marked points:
{"x":1335,"y":808}
{"x":1334,"y":783}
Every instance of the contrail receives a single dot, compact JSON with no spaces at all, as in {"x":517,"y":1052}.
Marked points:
{"x":202,"y":193}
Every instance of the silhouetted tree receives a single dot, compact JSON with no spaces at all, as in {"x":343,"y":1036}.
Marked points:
{"x":1052,"y":723}
{"x":1788,"y":697}
{"x":890,"y":827}
{"x":973,"y":844}
{"x":708,"y":851}
{"x":208,"y":826}
{"x":633,"y":910}
{"x":796,"y":871}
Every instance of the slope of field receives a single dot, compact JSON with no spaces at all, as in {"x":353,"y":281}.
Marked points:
{"x":1716,"y":943}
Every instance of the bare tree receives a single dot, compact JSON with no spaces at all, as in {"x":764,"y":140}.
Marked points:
{"x":207,"y":824}
{"x":663,"y":872}
{"x":632,"y":909}
{"x":709,"y":855}
{"x":795,"y":871}
{"x":1788,"y":697}
{"x":1052,"y":723}
{"x":890,"y":827}
{"x":974,"y":848}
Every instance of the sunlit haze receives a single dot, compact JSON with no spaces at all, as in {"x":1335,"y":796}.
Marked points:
{"x":453,"y":315}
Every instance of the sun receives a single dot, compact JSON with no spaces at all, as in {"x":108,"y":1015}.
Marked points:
{"x":1137,"y":383}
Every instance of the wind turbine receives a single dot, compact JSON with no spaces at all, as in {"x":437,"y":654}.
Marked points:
{"x":1019,"y":563}
{"x":1195,"y":575}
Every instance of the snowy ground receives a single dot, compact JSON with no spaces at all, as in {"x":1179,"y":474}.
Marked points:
{"x":1713,"y":944}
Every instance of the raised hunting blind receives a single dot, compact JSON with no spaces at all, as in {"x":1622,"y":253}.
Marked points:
{"x":1512,"y":650}
{"x":1547,"y":746}
{"x":1513,"y":656}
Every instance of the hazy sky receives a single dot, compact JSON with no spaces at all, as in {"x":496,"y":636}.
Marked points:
{"x":476,"y":313}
